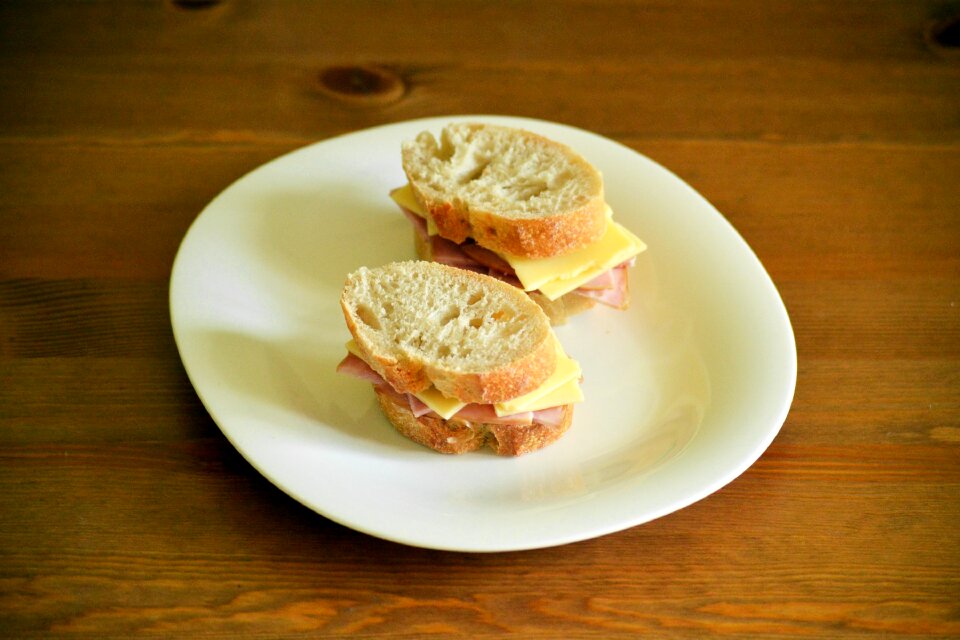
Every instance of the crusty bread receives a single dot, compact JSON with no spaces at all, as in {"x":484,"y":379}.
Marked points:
{"x":558,"y":311}
{"x":458,"y":436}
{"x":510,"y":190}
{"x":473,"y":337}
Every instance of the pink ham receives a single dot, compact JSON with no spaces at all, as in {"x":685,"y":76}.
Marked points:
{"x":356,"y":367}
{"x":605,"y":280}
{"x":417,"y":406}
{"x":609,"y":279}
{"x":616,"y":296}
{"x":465,"y":256}
{"x":488,"y":258}
{"x":609,"y":288}
{"x":551,"y":417}
{"x":486,"y":414}
{"x":511,"y":280}
{"x":446,"y":252}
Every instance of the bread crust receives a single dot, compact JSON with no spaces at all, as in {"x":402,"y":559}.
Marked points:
{"x":527,"y":237}
{"x":458,"y":436}
{"x":534,"y":237}
{"x":404,"y":374}
{"x":491,"y":385}
{"x":558,"y":311}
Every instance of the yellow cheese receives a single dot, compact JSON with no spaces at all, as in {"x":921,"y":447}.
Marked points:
{"x":563,"y":387}
{"x":567,"y":370}
{"x":441,"y":404}
{"x":557,"y":275}
{"x":567,"y":393}
{"x":354,"y":348}
{"x":404,"y":197}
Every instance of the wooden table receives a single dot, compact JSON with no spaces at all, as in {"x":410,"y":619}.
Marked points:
{"x":828,"y":133}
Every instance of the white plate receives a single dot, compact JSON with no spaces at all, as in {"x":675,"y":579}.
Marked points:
{"x":683,"y":392}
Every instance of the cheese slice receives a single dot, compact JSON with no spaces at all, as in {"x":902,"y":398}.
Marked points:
{"x":404,"y":197}
{"x":567,"y":370}
{"x":567,"y":393}
{"x":557,"y":275}
{"x":445,"y":407}
{"x":562,"y":387}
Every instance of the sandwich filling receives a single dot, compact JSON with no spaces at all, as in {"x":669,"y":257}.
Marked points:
{"x":542,"y":405}
{"x":597,"y":270}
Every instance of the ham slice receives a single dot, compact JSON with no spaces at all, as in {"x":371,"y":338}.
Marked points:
{"x":486,"y":414}
{"x":417,"y":406}
{"x":488,"y":258}
{"x":551,"y":417}
{"x":356,"y":367}
{"x":614,"y":296}
{"x":605,"y":280}
{"x":509,"y":279}
{"x":449,"y":253}
{"x":609,"y":288}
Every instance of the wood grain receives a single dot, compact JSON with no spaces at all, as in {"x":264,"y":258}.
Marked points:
{"x":827,"y":133}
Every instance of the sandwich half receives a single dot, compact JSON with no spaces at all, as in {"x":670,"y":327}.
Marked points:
{"x":458,"y":360}
{"x":521,"y":208}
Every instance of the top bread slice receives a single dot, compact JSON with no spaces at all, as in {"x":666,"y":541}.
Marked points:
{"x":510,"y":190}
{"x":473,"y":337}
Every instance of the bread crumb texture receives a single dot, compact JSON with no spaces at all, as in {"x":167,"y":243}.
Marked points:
{"x":428,"y":312}
{"x":516,"y":174}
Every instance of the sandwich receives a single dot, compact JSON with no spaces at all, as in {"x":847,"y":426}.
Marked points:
{"x":458,"y":360}
{"x":520,"y":208}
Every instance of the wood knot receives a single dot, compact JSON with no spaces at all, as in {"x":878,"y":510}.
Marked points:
{"x":945,"y":33}
{"x":366,"y":84}
{"x":192,"y":5}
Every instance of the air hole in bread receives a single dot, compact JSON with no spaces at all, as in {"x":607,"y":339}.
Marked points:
{"x":501,"y":316}
{"x":474,"y":298}
{"x":534,"y":190}
{"x":367,"y":316}
{"x":474,"y":173}
{"x":387,"y":308}
{"x":476,"y":323}
{"x":450,"y":316}
{"x":447,"y":147}
{"x":443,"y":351}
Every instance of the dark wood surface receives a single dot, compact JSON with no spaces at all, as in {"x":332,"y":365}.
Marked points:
{"x":827,"y":132}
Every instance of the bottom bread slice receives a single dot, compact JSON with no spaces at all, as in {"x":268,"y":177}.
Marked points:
{"x":459,"y":436}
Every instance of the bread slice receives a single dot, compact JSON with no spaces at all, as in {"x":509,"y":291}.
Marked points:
{"x":473,"y":337}
{"x":510,"y":190}
{"x":459,"y":436}
{"x":558,"y":311}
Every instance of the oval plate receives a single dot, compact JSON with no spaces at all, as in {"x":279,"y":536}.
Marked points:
{"x":684,"y":390}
